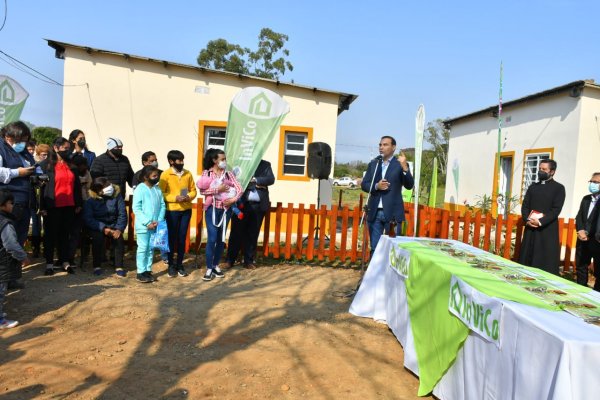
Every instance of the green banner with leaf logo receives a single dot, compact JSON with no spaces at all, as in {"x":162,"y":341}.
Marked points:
{"x":12,"y":100}
{"x":255,"y":115}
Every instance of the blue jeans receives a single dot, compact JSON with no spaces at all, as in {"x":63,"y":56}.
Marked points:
{"x":177,"y":223}
{"x":376,"y":228}
{"x":22,"y":214}
{"x":214,"y":243}
{"x":3,"y":289}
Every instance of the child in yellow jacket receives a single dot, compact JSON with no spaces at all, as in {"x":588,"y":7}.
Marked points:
{"x":177,"y":185}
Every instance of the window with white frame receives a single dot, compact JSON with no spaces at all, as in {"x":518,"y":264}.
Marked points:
{"x":214,"y":138}
{"x":532,"y":164}
{"x":295,"y":151}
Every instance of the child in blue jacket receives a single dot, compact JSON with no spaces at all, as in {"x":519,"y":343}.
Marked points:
{"x":149,"y":209}
{"x":105,"y":216}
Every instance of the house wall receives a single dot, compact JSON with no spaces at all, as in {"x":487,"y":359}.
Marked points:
{"x":150,"y":106}
{"x":588,"y":160}
{"x":547,"y":122}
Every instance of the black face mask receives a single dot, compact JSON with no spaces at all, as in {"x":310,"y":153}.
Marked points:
{"x":81,"y":143}
{"x":117,"y":152}
{"x":543,"y":176}
{"x":64,"y":154}
{"x":178,"y":167}
{"x":153,"y":181}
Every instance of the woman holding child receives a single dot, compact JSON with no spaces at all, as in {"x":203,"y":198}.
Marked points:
{"x":221,"y":190}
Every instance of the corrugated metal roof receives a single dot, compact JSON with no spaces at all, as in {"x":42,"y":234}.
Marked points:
{"x":574,"y":88}
{"x":345,"y":99}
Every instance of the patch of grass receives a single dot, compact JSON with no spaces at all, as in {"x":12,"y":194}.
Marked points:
{"x":350,"y":197}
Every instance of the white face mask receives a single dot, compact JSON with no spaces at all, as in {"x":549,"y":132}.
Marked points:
{"x":154,"y":164}
{"x":222,"y":164}
{"x":108,"y":191}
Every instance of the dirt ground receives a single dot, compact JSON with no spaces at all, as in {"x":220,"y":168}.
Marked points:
{"x":274,"y":332}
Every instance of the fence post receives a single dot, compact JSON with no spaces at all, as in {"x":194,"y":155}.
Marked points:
{"x":310,"y":248}
{"x":445,"y":229}
{"x":466,"y":228}
{"x":267,"y":231}
{"x":344,"y":239}
{"x":322,"y":224}
{"x":276,"y":247}
{"x":332,"y":232}
{"x":356,"y":214}
{"x":498,"y":237}
{"x":289,"y":217}
{"x":300,"y":232}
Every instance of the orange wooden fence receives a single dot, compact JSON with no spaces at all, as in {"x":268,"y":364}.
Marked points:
{"x":310,"y":233}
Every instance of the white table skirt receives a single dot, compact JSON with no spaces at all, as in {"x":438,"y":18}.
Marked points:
{"x":544,"y":354}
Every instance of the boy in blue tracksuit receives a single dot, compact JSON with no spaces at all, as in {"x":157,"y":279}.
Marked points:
{"x":149,"y":209}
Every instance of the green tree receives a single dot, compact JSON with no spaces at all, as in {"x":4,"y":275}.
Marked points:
{"x":438,"y":136}
{"x":45,"y":134}
{"x":268,"y":61}
{"x":222,"y":55}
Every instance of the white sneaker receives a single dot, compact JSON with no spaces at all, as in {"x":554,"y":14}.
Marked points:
{"x":7,"y":323}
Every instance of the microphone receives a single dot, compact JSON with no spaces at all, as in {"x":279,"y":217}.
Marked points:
{"x":379,"y":158}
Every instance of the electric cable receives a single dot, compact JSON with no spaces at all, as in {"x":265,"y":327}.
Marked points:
{"x":5,"y":14}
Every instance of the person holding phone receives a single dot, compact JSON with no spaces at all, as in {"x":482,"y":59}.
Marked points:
{"x":177,"y":185}
{"x":16,"y":166}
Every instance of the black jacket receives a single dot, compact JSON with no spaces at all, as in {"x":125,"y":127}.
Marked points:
{"x":264,"y":178}
{"x":118,"y":171}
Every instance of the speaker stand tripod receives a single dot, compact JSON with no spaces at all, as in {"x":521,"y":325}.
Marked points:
{"x":317,"y":226}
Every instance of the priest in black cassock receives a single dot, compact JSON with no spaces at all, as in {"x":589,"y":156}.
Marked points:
{"x":540,"y":209}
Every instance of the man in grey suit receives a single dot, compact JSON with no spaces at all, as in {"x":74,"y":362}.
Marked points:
{"x":384,"y":179}
{"x":245,"y":231}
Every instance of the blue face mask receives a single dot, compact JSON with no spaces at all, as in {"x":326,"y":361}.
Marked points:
{"x":594,"y":187}
{"x":19,"y":147}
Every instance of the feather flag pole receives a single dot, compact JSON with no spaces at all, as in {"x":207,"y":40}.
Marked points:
{"x":419,"y":129}
{"x":497,"y":194}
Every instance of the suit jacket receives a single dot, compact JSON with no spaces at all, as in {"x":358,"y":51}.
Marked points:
{"x":393,"y":205}
{"x":582,"y":222}
{"x":264,"y":178}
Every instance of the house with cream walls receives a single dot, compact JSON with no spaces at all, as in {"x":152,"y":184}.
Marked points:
{"x":159,"y":105}
{"x":561,"y":123}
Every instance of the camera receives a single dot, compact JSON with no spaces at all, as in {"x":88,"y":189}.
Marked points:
{"x":39,"y":179}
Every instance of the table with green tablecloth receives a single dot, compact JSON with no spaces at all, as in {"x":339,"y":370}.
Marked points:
{"x":474,"y":325}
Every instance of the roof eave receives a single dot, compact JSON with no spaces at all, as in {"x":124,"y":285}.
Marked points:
{"x":344,"y":99}
{"x":575,"y":87}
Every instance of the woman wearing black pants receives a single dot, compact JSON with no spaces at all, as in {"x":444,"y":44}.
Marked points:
{"x":60,"y":201}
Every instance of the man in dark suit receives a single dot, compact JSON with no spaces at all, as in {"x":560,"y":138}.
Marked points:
{"x":586,"y":223}
{"x":384,"y":179}
{"x":255,"y":203}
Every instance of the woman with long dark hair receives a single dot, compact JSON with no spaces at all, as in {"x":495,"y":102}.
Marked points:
{"x":217,"y":211}
{"x":79,"y":145}
{"x":60,"y":201}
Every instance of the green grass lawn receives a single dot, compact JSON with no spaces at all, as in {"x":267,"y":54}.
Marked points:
{"x":350,"y":196}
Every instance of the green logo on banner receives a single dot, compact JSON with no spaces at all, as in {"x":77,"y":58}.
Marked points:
{"x":260,"y":105}
{"x":7,"y":93}
{"x":12,"y":100}
{"x":255,"y":115}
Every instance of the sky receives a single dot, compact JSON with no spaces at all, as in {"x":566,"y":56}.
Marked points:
{"x":394,"y":55}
